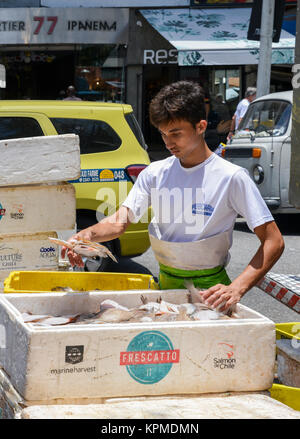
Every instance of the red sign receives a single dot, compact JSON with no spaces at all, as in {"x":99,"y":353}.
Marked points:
{"x":149,"y":357}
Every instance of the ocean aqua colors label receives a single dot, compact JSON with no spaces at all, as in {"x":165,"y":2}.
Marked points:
{"x":2,"y":211}
{"x":101,"y":176}
{"x":149,"y":357}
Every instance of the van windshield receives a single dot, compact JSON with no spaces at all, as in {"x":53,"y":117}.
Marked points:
{"x":265,"y":119}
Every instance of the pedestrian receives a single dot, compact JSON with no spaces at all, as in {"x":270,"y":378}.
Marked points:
{"x":196,"y":197}
{"x":71,"y":94}
{"x":241,"y":109}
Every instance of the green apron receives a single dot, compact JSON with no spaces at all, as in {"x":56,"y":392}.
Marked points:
{"x":173,"y":278}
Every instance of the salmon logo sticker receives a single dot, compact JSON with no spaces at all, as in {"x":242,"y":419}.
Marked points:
{"x":229,"y":350}
{"x":226,"y":360}
{"x":149,"y":357}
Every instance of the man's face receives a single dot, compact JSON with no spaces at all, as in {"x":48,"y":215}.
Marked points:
{"x":181,"y":137}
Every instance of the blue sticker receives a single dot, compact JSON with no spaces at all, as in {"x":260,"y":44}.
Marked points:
{"x":101,"y":176}
{"x":149,"y":357}
{"x":202,"y":209}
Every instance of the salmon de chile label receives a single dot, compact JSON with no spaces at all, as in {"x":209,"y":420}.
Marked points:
{"x":149,"y":357}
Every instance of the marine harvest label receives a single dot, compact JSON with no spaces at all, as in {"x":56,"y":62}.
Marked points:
{"x":74,"y":354}
{"x":149,"y":357}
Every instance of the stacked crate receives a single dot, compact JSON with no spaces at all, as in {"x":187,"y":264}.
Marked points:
{"x":36,"y":202}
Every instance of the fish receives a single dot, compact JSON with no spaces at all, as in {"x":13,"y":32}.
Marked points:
{"x":85,"y":248}
{"x":194,"y":296}
{"x":28,"y":317}
{"x":112,"y":312}
{"x":57,"y":320}
{"x":63,"y":289}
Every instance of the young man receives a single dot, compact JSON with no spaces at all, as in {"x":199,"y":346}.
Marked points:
{"x":195,"y":197}
{"x":241,"y":109}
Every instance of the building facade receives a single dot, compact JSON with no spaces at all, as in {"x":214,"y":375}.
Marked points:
{"x":125,"y":51}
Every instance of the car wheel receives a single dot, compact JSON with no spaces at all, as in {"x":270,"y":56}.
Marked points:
{"x":98,"y":263}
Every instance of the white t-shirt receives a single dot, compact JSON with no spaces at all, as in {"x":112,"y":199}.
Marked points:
{"x":240,"y":111}
{"x":190,"y":204}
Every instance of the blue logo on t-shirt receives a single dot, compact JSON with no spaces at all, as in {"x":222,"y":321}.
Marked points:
{"x":202,"y":209}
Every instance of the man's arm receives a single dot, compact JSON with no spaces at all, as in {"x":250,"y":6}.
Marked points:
{"x":108,"y":228}
{"x":268,"y":253}
{"x":232,"y":127}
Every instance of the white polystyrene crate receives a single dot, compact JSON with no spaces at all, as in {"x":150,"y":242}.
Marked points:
{"x":231,"y":405}
{"x":28,"y":251}
{"x":39,"y":160}
{"x":129,"y":359}
{"x":34,"y":208}
{"x":213,"y":406}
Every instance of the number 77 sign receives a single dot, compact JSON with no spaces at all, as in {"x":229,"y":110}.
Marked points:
{"x":40,"y":22}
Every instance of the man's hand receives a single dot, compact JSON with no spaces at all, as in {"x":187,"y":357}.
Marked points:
{"x":221,"y":296}
{"x":74,"y":258}
{"x":270,"y":250}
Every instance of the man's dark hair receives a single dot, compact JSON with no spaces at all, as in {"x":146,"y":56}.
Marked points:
{"x":182,"y":100}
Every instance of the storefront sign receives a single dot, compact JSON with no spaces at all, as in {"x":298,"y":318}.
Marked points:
{"x":161,"y":56}
{"x":64,"y":26}
{"x":218,"y":2}
{"x":114,"y":4}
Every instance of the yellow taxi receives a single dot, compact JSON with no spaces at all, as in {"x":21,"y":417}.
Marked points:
{"x":113,"y":153}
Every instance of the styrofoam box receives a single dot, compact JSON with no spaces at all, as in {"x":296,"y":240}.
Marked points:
{"x":39,"y":159}
{"x":35,"y":208}
{"x":216,"y":406}
{"x":129,"y":359}
{"x":28,"y":251}
{"x":237,"y":405}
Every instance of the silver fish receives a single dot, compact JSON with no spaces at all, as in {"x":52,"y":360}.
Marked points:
{"x":85,"y":248}
{"x":57,"y":320}
{"x":194,"y":296}
{"x":32,"y":318}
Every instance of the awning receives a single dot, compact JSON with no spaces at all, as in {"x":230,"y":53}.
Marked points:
{"x":215,"y":37}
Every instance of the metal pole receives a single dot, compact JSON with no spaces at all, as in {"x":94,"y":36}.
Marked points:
{"x":294,"y":185}
{"x":265,"y":50}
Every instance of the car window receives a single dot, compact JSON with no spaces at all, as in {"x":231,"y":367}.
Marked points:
{"x":19,"y":127}
{"x":94,"y":135}
{"x":265,"y":118}
{"x":135,"y":128}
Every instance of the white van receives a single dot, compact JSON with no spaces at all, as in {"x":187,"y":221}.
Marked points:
{"x":262,"y":145}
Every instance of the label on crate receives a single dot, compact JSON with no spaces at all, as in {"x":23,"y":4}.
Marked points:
{"x":225,"y":359}
{"x":2,"y":211}
{"x":149,"y":357}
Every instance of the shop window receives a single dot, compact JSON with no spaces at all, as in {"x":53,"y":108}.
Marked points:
{"x":94,"y":135}
{"x":99,"y":73}
{"x":19,"y":127}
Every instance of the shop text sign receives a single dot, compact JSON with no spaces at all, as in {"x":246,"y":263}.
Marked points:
{"x":161,"y":56}
{"x":63,"y":26}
